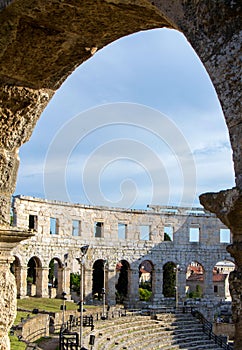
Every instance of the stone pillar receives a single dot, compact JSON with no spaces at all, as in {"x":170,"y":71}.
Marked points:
{"x":63,"y":277}
{"x":60,"y":279}
{"x":8,"y":304}
{"x":110,"y":282}
{"x":181,"y":277}
{"x":87,"y":284}
{"x":157,"y":285}
{"x":133,"y":287}
{"x":208,"y":292}
{"x":227,"y":205}
{"x":235,"y":287}
{"x":21,"y":273}
{"x":8,"y":291}
{"x":9,"y":163}
{"x":67,"y":282}
{"x":42,"y":280}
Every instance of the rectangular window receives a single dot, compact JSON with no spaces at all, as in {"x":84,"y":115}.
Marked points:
{"x":98,"y":229}
{"x":168,"y":233}
{"x":224,"y":235}
{"x":194,"y":234}
{"x":122,"y":231}
{"x":215,"y":289}
{"x":33,"y":220}
{"x":144,"y":232}
{"x":76,"y":228}
{"x":54,"y":226}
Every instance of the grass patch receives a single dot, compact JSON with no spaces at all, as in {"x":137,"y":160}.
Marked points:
{"x":20,"y":314}
{"x":38,"y":341}
{"x":44,"y":304}
{"x":16,"y":344}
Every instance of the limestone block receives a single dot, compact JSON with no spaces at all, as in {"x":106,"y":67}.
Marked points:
{"x":8,"y":305}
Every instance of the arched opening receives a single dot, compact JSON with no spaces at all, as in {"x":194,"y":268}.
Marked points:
{"x":98,"y":74}
{"x":169,"y":279}
{"x":221,"y":273}
{"x":145,"y":280}
{"x":15,"y":268}
{"x":32,"y":275}
{"x":98,"y":279}
{"x":115,"y":21}
{"x":122,"y":284}
{"x":195,"y":280}
{"x":55,"y":273}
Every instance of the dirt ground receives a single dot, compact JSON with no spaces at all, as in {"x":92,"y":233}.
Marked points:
{"x":49,"y":344}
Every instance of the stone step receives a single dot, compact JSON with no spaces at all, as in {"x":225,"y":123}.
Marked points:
{"x":167,"y":332}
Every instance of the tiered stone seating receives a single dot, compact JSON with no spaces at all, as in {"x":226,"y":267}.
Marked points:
{"x":166,"y":332}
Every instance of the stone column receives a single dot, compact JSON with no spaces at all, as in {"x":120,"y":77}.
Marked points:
{"x":208,"y":283}
{"x":63,"y":277}
{"x":235,"y":287}
{"x":60,"y":285}
{"x":21,"y":273}
{"x":20,"y":108}
{"x":227,"y":205}
{"x":133,"y":287}
{"x":111,"y":280}
{"x":42,"y":282}
{"x":8,"y":291}
{"x":181,"y":276}
{"x":87,"y":284}
{"x":157,"y":285}
{"x":67,"y":283}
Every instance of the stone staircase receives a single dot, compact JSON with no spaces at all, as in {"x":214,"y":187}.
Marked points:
{"x":167,"y":332}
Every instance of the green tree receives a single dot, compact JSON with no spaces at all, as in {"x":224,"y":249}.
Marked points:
{"x":169,"y":280}
{"x":144,"y":294}
{"x":75,"y":280}
{"x":196,"y":293}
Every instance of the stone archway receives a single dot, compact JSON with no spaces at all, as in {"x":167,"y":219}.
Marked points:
{"x":42,"y":43}
{"x":146,"y":284}
{"x":169,"y":279}
{"x":33,"y":276}
{"x":122,"y":283}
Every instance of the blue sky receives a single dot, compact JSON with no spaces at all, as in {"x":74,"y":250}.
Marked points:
{"x":136,"y":124}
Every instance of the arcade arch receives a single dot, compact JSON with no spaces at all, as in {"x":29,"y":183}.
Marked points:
{"x":56,"y":277}
{"x":122,"y":284}
{"x":169,"y":279}
{"x":30,"y":77}
{"x":98,"y":279}
{"x":221,"y":272}
{"x":195,"y":280}
{"x":146,"y":286}
{"x":33,"y":276}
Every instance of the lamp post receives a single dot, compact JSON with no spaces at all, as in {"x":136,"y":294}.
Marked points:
{"x":177,"y":269}
{"x":64,"y":265}
{"x":81,"y":261}
{"x":104,"y":289}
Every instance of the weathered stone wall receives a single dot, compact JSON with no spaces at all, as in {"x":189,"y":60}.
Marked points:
{"x":35,"y":328}
{"x":41,"y":43}
{"x":45,"y":246}
{"x":226,"y":329}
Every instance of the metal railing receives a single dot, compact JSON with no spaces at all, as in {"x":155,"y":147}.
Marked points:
{"x":69,"y":339}
{"x":208,"y":329}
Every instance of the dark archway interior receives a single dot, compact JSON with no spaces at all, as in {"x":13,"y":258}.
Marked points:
{"x":169,"y":279}
{"x":98,"y":278}
{"x":122,"y":285}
